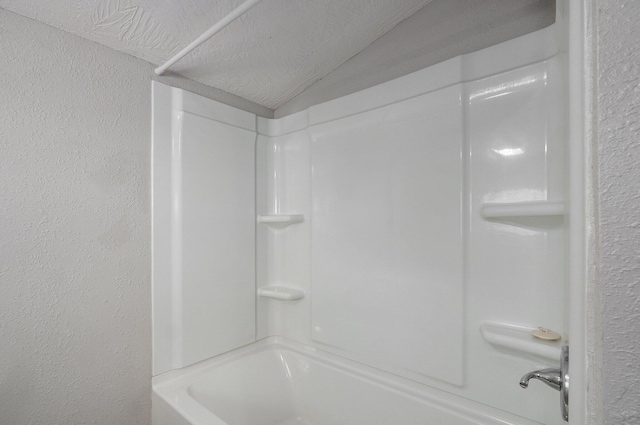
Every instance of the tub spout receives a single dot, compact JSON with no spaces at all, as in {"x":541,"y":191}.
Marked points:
{"x":551,"y":377}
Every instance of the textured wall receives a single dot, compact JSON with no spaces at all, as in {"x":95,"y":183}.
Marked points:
{"x":74,"y":239}
{"x":439,"y":31}
{"x":619,"y":191}
{"x":75,"y":285}
{"x":267,"y":56}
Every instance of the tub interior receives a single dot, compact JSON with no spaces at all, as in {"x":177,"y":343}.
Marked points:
{"x":411,"y":228}
{"x":282,"y":382}
{"x":257,"y":391}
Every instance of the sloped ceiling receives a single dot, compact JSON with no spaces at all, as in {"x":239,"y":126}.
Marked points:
{"x":269,"y":55}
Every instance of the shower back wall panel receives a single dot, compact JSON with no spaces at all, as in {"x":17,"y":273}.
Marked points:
{"x":387,"y":239}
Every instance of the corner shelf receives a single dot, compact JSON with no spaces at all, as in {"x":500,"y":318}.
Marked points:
{"x":280,"y":220}
{"x":281,"y":293}
{"x":522,"y":209}
{"x":519,"y":338}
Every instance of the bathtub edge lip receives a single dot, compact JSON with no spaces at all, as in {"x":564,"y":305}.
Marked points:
{"x":173,"y":386}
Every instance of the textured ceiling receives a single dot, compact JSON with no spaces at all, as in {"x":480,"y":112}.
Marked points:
{"x":268,"y":56}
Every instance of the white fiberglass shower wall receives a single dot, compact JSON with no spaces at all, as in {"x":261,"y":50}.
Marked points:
{"x":418,"y":228}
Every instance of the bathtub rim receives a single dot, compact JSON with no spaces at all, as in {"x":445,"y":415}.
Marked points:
{"x":173,"y":387}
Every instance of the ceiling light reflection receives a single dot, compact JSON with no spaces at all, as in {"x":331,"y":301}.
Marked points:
{"x":509,"y":151}
{"x":501,"y":88}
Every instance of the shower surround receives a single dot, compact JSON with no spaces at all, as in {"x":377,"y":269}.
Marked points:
{"x":387,"y":248}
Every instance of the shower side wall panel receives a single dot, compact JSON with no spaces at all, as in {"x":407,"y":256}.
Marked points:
{"x":516,"y":272}
{"x":203,"y":228}
{"x":217,"y":283}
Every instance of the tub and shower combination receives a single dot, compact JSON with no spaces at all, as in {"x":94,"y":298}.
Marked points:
{"x":376,"y":259}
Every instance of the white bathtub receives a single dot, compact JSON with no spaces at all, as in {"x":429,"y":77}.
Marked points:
{"x":280,"y":382}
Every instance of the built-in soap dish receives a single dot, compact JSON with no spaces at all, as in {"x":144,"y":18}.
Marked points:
{"x":280,"y":220}
{"x":281,"y":293}
{"x":520,"y":338}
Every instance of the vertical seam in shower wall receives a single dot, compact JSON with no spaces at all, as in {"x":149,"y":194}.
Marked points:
{"x":177,"y":118}
{"x":465,"y":205}
{"x":309,"y":201}
{"x":255,"y":231}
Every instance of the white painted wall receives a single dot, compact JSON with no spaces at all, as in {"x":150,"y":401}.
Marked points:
{"x":75,"y":292}
{"x":619,"y":199}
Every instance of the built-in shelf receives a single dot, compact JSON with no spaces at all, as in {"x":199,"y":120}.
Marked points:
{"x":280,"y":220}
{"x":522,"y":209}
{"x":281,"y":293}
{"x":519,"y":338}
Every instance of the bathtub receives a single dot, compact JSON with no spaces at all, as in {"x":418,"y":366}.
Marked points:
{"x":280,"y":382}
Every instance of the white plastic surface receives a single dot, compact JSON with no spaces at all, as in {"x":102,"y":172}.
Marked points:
{"x":276,"y":381}
{"x":218,"y":239}
{"x":511,"y":155}
{"x":520,"y":338}
{"x":397,"y":263}
{"x":387,"y":247}
{"x":283,"y":255}
{"x":204,"y":234}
